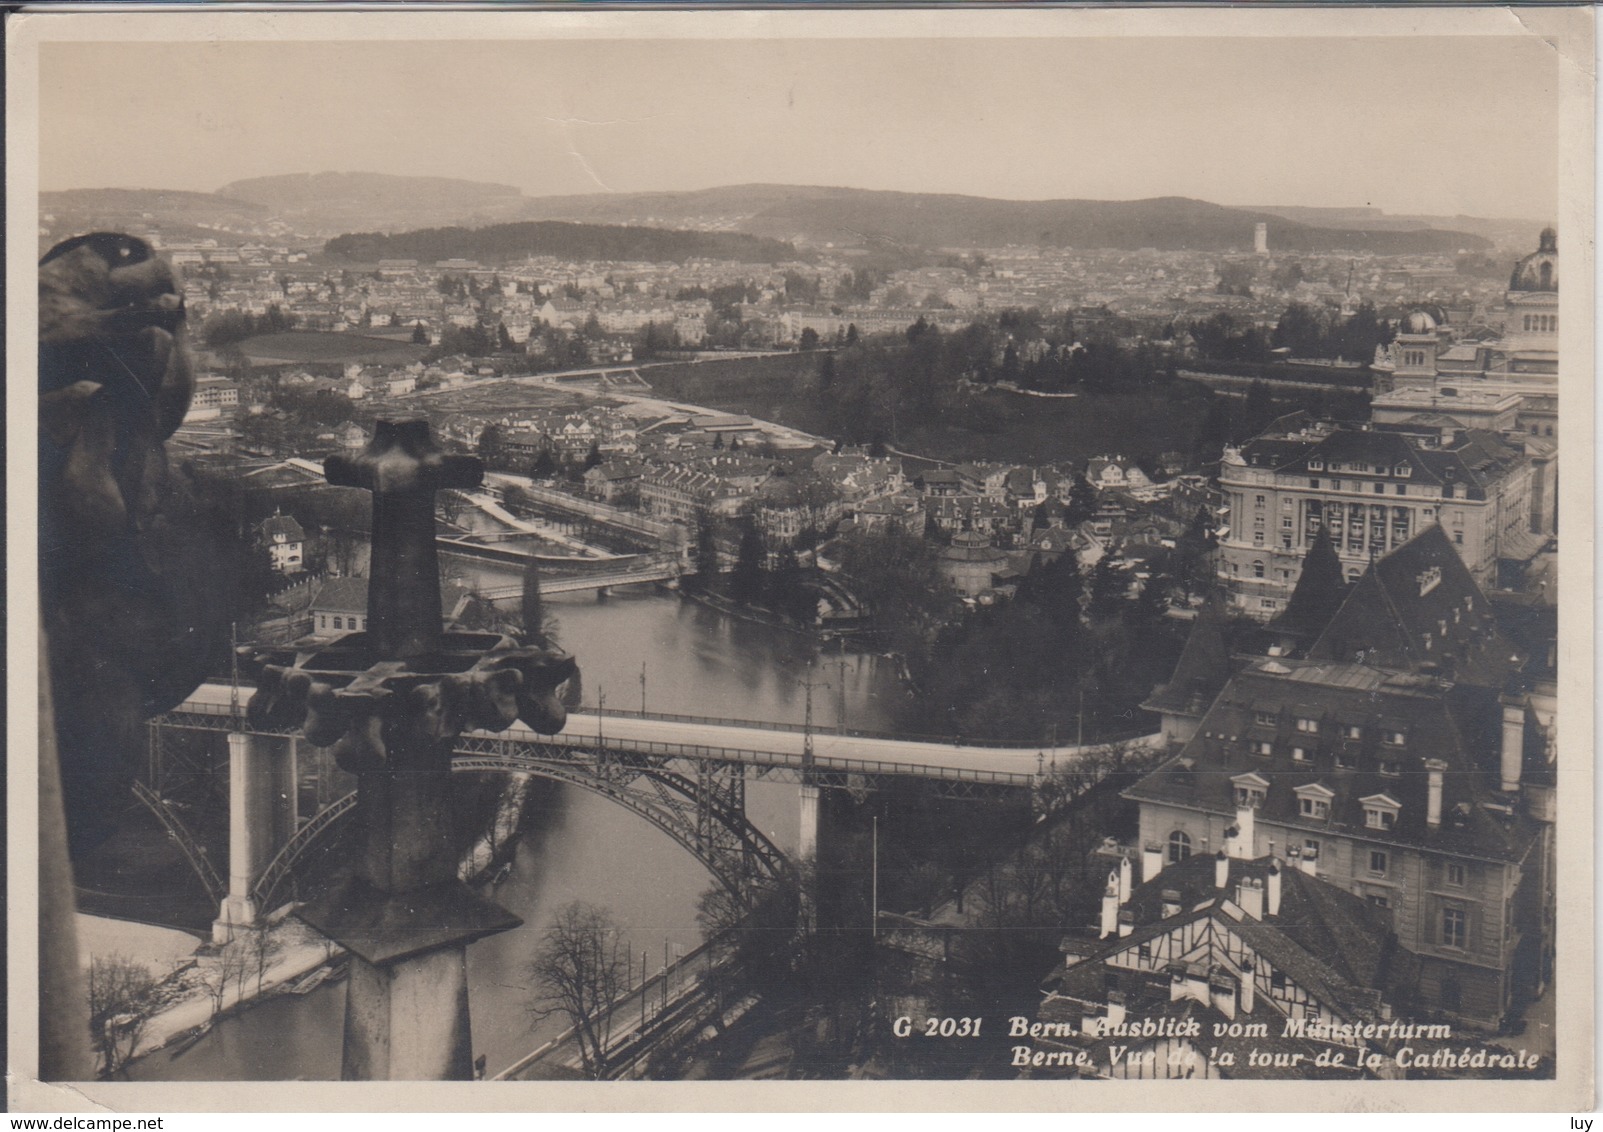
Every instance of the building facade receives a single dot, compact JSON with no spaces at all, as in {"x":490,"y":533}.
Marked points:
{"x":1374,"y":490}
{"x":1400,"y":761}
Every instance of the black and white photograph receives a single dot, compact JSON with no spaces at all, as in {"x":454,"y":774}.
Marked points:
{"x":702,"y":549}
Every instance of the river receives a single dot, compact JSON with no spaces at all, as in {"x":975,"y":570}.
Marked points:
{"x":580,"y":846}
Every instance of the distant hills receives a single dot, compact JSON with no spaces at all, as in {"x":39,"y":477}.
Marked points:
{"x":500,"y":243}
{"x":345,"y":202}
{"x":331,"y":204}
{"x":812,"y":215}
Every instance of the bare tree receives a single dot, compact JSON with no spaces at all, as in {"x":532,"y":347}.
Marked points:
{"x":226,"y":965}
{"x":579,"y":971}
{"x":260,"y":950}
{"x":120,"y":1001}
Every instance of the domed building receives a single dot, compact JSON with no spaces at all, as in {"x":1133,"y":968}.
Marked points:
{"x":1414,"y":351}
{"x":1532,"y":302}
{"x":971,"y":563}
{"x":1539,"y":270}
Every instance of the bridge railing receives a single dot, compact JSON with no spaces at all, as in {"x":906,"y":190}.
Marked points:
{"x":866,"y":733}
{"x":195,"y":707}
{"x":760,"y":759}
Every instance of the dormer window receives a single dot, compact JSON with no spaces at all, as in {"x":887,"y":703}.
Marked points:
{"x":1380,"y":811}
{"x":1353,"y":731}
{"x":1313,"y":801}
{"x":1403,"y":471}
{"x":1299,"y":754}
{"x":1391,"y":768}
{"x":1264,"y":718}
{"x":1250,"y":790}
{"x":1307,"y":726}
{"x":1264,"y":749}
{"x":1394,"y":738}
{"x":1316,"y":465}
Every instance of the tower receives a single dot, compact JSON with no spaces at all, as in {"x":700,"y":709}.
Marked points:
{"x":1260,"y":239}
{"x":1414,"y":351}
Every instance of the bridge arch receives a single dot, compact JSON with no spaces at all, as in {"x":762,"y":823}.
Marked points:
{"x":704,"y":814}
{"x":188,"y":844}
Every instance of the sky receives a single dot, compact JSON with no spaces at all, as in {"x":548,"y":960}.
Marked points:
{"x":1430,"y":125}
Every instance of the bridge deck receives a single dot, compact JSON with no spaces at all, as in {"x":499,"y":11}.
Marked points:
{"x":756,"y":746}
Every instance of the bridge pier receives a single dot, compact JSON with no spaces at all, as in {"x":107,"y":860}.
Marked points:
{"x":807,"y":838}
{"x":262,"y":816}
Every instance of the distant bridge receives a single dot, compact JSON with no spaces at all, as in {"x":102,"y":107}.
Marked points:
{"x":658,"y":568}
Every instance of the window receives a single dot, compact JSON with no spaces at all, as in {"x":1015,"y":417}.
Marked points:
{"x":1353,"y":731}
{"x":1144,"y":951}
{"x":1455,"y":875}
{"x":1268,"y":603}
{"x":1251,"y":796}
{"x":1277,"y":980}
{"x":1310,"y":848}
{"x":1264,"y":749}
{"x":1378,"y":901}
{"x":1377,"y":862}
{"x":1391,"y":768}
{"x":1300,"y":754}
{"x":339,"y":622}
{"x":1317,"y":808}
{"x":1307,"y":726}
{"x":1258,"y":501}
{"x":1380,"y":489}
{"x":1402,"y":489}
{"x":1453,"y":925}
{"x":1316,"y":465}
{"x":1313,"y":481}
{"x":1458,"y":538}
{"x":1286,"y":522}
{"x":1394,"y":738}
{"x":1179,"y":846}
{"x":1379,"y":817}
{"x":1257,"y":568}
{"x":1264,"y":718}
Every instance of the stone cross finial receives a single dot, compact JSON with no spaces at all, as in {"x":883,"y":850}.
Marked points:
{"x":403,"y":469}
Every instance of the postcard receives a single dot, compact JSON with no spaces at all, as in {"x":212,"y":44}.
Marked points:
{"x":765,"y":559}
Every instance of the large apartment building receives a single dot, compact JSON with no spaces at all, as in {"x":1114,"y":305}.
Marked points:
{"x":1400,"y":760}
{"x":1374,"y":488}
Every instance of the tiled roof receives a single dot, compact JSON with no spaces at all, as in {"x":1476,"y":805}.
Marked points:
{"x":284,"y":525}
{"x":1262,"y":703}
{"x":1419,"y":606}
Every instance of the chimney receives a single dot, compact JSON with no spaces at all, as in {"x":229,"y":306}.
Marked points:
{"x":1126,"y":922}
{"x":1513,"y":742}
{"x":1115,"y":1008}
{"x":1110,"y":907}
{"x":1272,"y":889}
{"x":1433,"y":805}
{"x":1244,"y":833}
{"x":1222,"y":990}
{"x":1151,"y":861}
{"x":1309,"y":862}
{"x":1249,"y":896}
{"x":1124,"y":879}
{"x":1221,"y":871}
{"x":1171,"y":903}
{"x":1249,"y":996}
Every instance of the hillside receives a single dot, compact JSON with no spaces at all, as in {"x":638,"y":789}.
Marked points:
{"x":81,"y":209}
{"x":857,"y":216}
{"x":500,"y":243}
{"x":336,"y":202}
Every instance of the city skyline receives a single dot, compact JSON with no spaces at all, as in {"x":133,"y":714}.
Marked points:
{"x":1439,"y":126}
